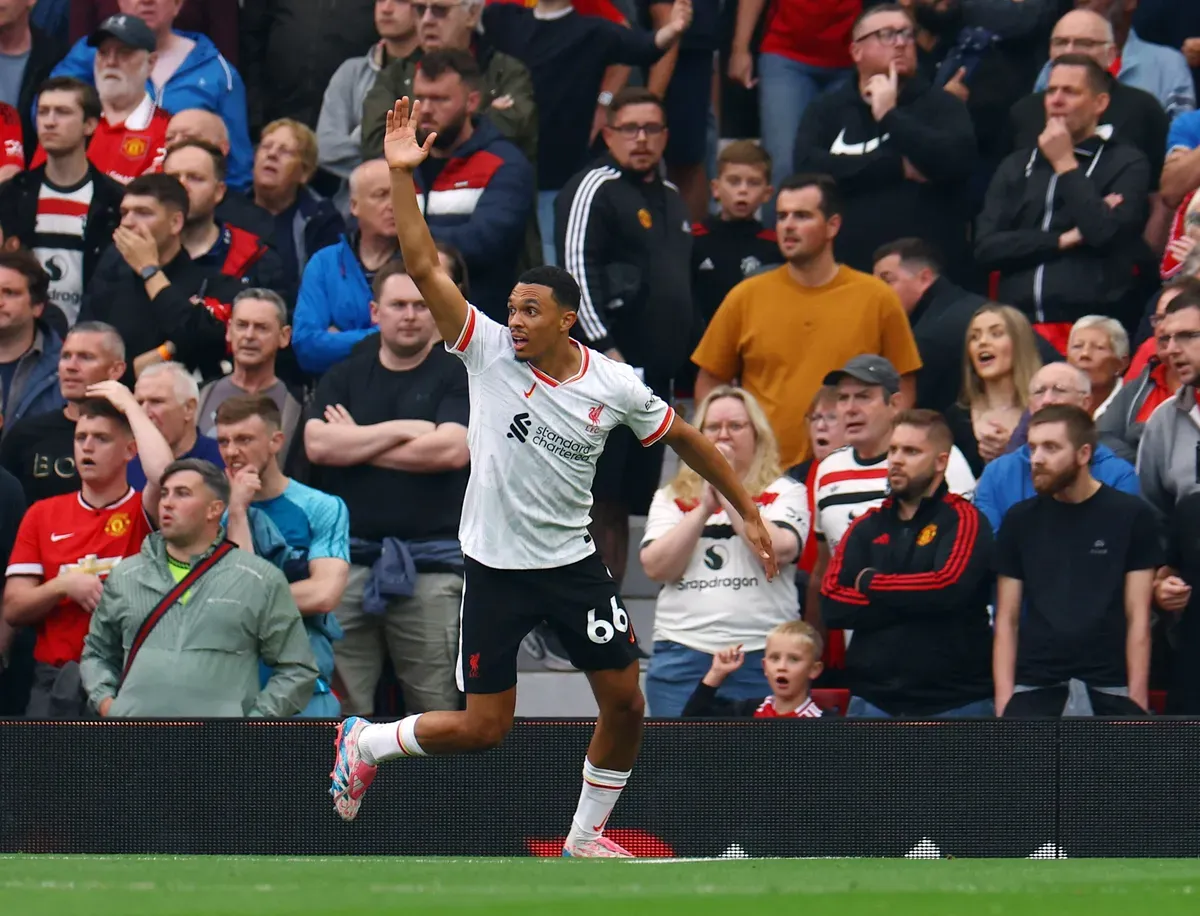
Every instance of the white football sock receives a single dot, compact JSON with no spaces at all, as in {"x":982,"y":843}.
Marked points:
{"x":389,"y":740}
{"x":601,"y":789}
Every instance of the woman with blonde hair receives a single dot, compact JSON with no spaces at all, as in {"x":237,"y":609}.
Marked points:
{"x":999,"y":361}
{"x":715,"y":594}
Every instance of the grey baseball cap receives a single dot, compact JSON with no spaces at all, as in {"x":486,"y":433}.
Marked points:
{"x":870,"y":370}
{"x":129,"y":30}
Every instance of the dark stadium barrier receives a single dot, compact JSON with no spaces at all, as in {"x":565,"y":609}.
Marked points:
{"x":813,"y":788}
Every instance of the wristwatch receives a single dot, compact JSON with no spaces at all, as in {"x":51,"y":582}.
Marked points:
{"x":149,"y":271}
{"x":605,"y":98}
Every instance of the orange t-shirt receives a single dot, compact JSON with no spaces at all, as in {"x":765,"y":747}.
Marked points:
{"x":781,"y":339}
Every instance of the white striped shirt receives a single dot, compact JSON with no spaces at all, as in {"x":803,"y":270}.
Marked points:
{"x":58,"y":241}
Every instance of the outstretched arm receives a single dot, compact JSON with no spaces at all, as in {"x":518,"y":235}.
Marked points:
{"x":403,"y":154}
{"x":152,"y":447}
{"x":703,"y":457}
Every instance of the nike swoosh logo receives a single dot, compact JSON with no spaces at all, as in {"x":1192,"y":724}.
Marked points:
{"x":841,"y":148}
{"x":61,"y":537}
{"x":529,"y":393}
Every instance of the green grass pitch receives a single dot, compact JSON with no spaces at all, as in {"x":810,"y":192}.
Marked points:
{"x":166,"y":886}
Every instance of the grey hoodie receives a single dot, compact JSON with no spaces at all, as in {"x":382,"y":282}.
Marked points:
{"x":339,"y":128}
{"x":1169,"y":457}
{"x":1118,"y":427}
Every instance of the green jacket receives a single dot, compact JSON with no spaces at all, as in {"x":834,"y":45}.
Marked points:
{"x":502,"y":76}
{"x":202,"y":658}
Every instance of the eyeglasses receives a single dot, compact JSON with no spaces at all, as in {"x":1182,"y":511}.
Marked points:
{"x":1056,"y":390}
{"x":1180,"y":337}
{"x":630,"y":131}
{"x":1083,"y":44}
{"x":733,"y":426}
{"x":890,"y":36}
{"x":436,"y":10}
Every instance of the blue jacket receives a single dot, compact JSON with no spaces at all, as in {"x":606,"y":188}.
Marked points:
{"x":1006,"y":481}
{"x":40,"y":392}
{"x":333,"y":293}
{"x":1157,"y":69}
{"x":204,"y":80}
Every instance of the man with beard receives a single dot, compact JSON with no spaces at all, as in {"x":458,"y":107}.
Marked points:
{"x":388,"y":429}
{"x":912,"y":579}
{"x":132,"y":131}
{"x":1076,"y":568}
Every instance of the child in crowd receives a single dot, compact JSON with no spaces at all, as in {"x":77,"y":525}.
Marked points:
{"x":791,"y":663}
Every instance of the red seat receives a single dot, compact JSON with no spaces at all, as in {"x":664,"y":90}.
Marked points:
{"x":1158,"y":702}
{"x":834,"y":701}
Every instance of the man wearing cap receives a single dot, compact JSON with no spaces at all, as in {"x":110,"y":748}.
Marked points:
{"x":132,"y":133}
{"x":854,"y":479}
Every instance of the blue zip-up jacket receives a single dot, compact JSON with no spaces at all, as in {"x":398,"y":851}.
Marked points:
{"x":333,"y":293}
{"x":1006,"y":481}
{"x":40,"y":392}
{"x":204,"y":80}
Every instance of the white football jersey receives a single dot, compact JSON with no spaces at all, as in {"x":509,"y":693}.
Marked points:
{"x":534,"y":443}
{"x":847,"y":488}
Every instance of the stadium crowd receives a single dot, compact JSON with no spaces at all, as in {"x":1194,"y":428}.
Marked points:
{"x":942,"y":317}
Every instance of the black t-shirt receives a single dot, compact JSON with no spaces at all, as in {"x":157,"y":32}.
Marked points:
{"x":1072,"y":559}
{"x":382,"y":502}
{"x":40,"y":452}
{"x":1183,"y":553}
{"x":1135,"y":116}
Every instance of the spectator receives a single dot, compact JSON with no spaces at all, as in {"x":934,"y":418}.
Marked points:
{"x":16,"y":661}
{"x":29,"y":346}
{"x":1169,"y":23}
{"x":169,"y":395}
{"x":218,"y":19}
{"x":284,"y":163}
{"x":339,"y":127}
{"x":998,"y":364}
{"x":290,"y":49}
{"x":314,"y":525}
{"x":1099,"y":347}
{"x":200,"y":168}
{"x":189,"y":72}
{"x":714,"y":594}
{"x":567,"y":53}
{"x":164,"y":305}
{"x":39,"y":450}
{"x":781,"y":332}
{"x":1181,"y":169}
{"x":12,"y":141}
{"x":1167,"y":457}
{"x":131,"y":132}
{"x":27,"y":55}
{"x":505,"y":86}
{"x":1076,"y":568}
{"x":733,"y":245}
{"x":64,"y":211}
{"x":210,"y":666}
{"x":333,"y":308}
{"x":1151,"y":380}
{"x":791,"y":662}
{"x":389,"y":428}
{"x":623,"y":234}
{"x":1180,"y":254}
{"x":1161,"y":71}
{"x":828,"y":435}
{"x":67,"y":545}
{"x":1062,"y":222}
{"x":918,"y":605}
{"x":805,"y":52}
{"x":900,"y":150}
{"x":853,"y":480}
{"x":1007,"y":480}
{"x":1134,"y":116}
{"x":258,"y":330}
{"x":1173,"y":588}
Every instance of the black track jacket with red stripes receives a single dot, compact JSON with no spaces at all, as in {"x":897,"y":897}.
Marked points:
{"x":922,"y":642}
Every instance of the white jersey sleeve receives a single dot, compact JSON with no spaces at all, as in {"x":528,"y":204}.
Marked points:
{"x":481,"y":342}
{"x":959,"y":478}
{"x":639,"y":408}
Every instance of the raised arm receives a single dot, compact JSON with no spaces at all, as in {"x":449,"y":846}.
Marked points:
{"x":152,"y":447}
{"x":403,"y":154}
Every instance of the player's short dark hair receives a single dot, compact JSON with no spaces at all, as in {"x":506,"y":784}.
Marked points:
{"x":1081,"y":428}
{"x":634,"y":95}
{"x":25,"y":262}
{"x":435,"y":64}
{"x":166,"y":189}
{"x":102,"y":408}
{"x":1098,"y":79}
{"x":1188,"y":299}
{"x":219,"y":160}
{"x":914,"y":254}
{"x":89,"y":99}
{"x":745,"y":152}
{"x":244,"y":406}
{"x":937,"y":430}
{"x":831,"y":197}
{"x":560,"y":282}
{"x":213,"y":477}
{"x":874,"y":10}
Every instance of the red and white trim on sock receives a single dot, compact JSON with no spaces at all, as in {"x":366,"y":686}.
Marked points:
{"x":601,"y":789}
{"x":390,"y":740}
